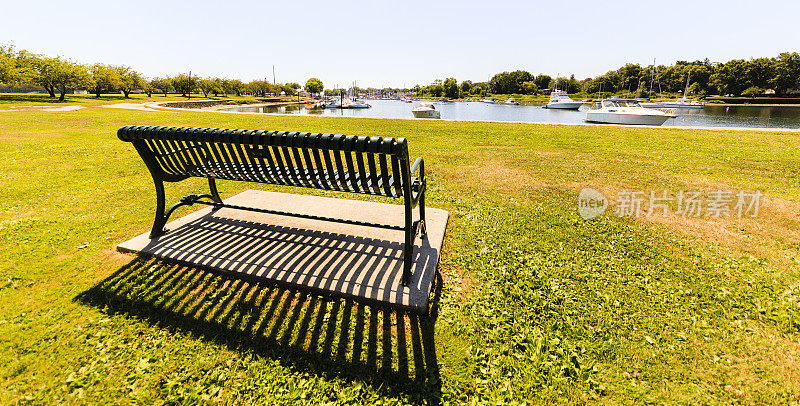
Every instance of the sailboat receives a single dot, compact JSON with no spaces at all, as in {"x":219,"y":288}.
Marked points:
{"x":352,"y":101}
{"x":681,"y":103}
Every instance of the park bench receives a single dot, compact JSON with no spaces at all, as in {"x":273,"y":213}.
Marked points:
{"x":345,"y":163}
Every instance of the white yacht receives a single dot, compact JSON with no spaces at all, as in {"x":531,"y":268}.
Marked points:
{"x":426,"y":110}
{"x":626,"y":111}
{"x":560,"y":100}
{"x":511,"y":101}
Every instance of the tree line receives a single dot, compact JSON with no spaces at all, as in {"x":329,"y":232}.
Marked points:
{"x":57,"y":75}
{"x":739,"y":77}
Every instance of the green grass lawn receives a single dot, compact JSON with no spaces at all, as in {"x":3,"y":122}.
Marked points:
{"x":537,"y":304}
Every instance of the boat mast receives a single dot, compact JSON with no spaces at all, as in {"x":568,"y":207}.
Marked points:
{"x":658,"y":79}
{"x":600,"y":93}
{"x":688,"y":75}
{"x":652,"y":73}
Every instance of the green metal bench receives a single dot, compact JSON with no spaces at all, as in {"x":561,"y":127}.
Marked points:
{"x":346,"y":163}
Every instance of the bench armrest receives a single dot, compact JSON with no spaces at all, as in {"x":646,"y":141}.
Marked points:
{"x":419,"y":162}
{"x":418,"y":186}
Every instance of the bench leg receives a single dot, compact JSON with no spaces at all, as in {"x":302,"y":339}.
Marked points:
{"x":212,"y":185}
{"x":423,"y":224}
{"x":408,"y":248}
{"x":160,"y":221}
{"x":408,"y":255}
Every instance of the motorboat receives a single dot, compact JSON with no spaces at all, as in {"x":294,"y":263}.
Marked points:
{"x":560,"y":100}
{"x":489,"y":101}
{"x":426,"y":110}
{"x":626,"y":111}
{"x":511,"y":101}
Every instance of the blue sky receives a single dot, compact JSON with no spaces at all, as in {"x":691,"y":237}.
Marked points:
{"x":397,"y":43}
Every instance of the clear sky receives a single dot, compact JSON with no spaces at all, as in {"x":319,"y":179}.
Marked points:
{"x":398,"y":43}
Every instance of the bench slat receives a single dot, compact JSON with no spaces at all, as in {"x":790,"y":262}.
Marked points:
{"x":365,"y":165}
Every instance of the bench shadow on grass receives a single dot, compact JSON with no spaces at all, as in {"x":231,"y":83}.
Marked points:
{"x":390,"y":349}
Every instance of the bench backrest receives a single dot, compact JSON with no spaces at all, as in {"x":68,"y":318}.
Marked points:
{"x":348,"y":163}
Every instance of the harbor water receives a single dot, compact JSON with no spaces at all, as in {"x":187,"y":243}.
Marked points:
{"x":711,"y":116}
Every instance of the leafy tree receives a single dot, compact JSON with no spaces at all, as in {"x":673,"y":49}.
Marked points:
{"x":261,"y":88}
{"x":68,"y":75}
{"x":294,"y":86}
{"x":236,"y":86}
{"x":15,"y":67}
{"x":314,"y":86}
{"x":542,"y":81}
{"x":220,"y":87}
{"x":727,"y":78}
{"x":450,"y":88}
{"x":570,"y":85}
{"x":630,"y":76}
{"x":225,"y":86}
{"x":164,"y":85}
{"x":696,"y":89}
{"x":103,"y":77}
{"x":208,"y":85}
{"x":146,"y":87}
{"x":129,"y":79}
{"x":43,"y":72}
{"x":8,"y":63}
{"x":290,"y":91}
{"x":509,"y":82}
{"x":55,"y":74}
{"x":184,"y":84}
{"x":787,"y":72}
{"x":752,"y":91}
{"x":760,"y":72}
{"x":466,"y":87}
{"x":530,"y":87}
{"x":479,"y":88}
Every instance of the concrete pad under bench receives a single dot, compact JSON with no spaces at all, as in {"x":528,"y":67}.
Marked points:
{"x":363,"y":263}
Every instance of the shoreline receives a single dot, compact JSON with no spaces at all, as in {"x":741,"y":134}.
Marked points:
{"x":758,"y":129}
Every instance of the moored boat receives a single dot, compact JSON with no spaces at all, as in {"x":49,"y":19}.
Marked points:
{"x":426,"y":110}
{"x":626,"y":111}
{"x":560,"y":100}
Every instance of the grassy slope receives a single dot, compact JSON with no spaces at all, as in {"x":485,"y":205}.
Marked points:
{"x":537,"y":303}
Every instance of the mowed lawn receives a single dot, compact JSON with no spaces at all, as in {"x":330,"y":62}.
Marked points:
{"x":537,"y":305}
